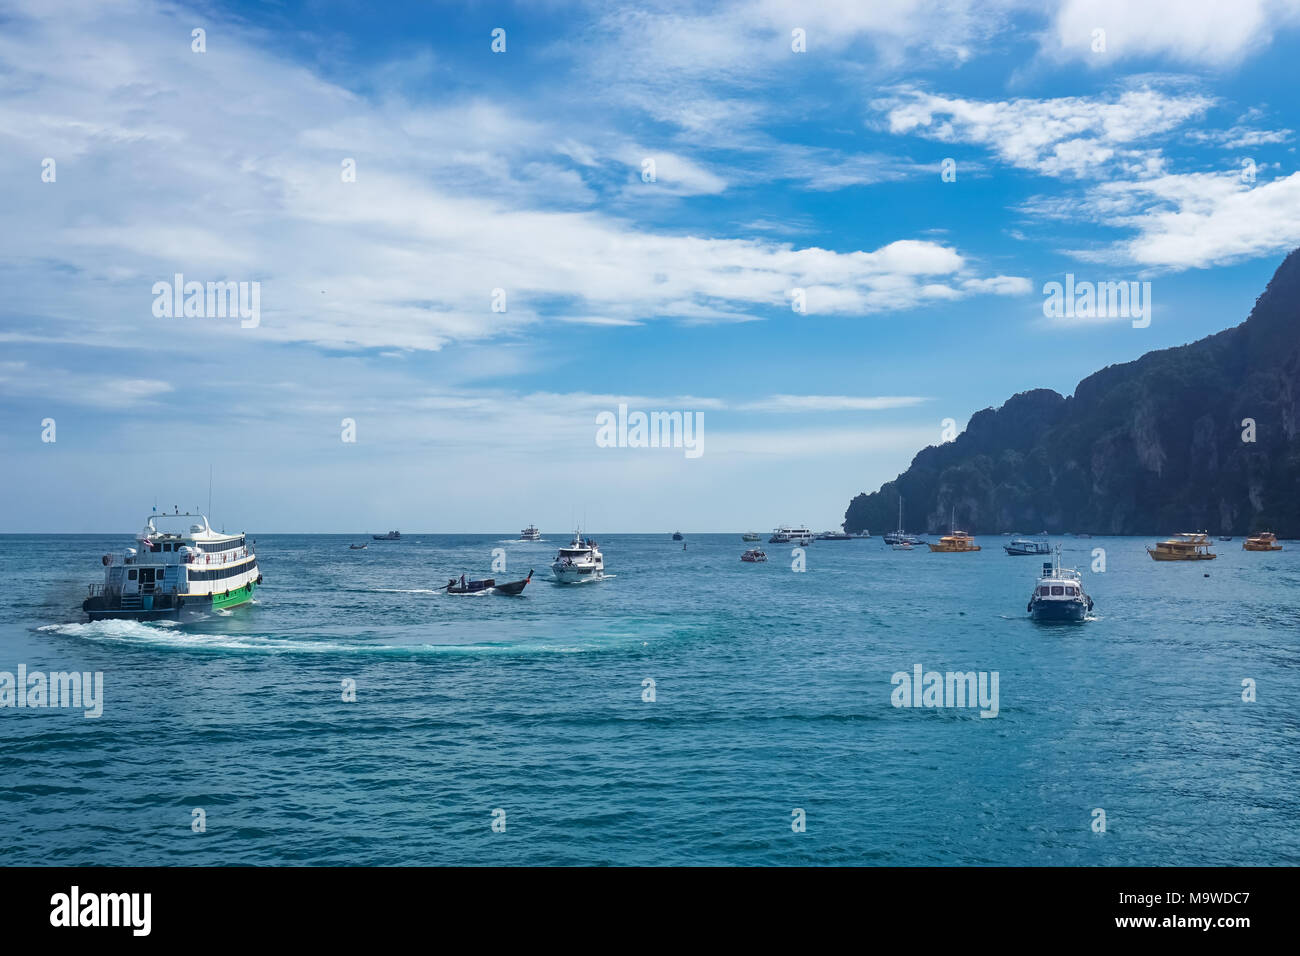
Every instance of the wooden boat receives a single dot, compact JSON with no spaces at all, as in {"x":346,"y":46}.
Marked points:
{"x":952,"y":543}
{"x":1264,"y":541}
{"x":515,"y":587}
{"x":470,"y":587}
{"x":488,"y":584}
{"x":1187,"y":546}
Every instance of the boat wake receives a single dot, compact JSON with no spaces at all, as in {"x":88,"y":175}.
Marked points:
{"x":155,"y":636}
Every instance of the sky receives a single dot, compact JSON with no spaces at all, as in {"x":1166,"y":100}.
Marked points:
{"x":824,"y":230}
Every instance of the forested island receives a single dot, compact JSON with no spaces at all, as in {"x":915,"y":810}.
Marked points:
{"x":1199,"y":437}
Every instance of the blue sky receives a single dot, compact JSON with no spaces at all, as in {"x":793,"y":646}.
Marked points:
{"x":775,"y":170}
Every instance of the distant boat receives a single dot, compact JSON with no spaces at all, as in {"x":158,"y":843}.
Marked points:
{"x":677,"y":536}
{"x":358,"y":547}
{"x":391,"y":536}
{"x":751,"y":536}
{"x":1059,"y":594}
{"x":530,"y":534}
{"x":1264,"y":541}
{"x":787,"y":535}
{"x":754,"y":556}
{"x":1225,"y":537}
{"x":1027,"y":546}
{"x":900,"y":540}
{"x":834,"y":536}
{"x":1187,"y":546}
{"x":864,"y":533}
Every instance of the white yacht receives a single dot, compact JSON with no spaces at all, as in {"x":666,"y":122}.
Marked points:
{"x":183,"y":565}
{"x":1059,"y":594}
{"x":787,"y":534}
{"x":530,"y":534}
{"x":580,"y":561}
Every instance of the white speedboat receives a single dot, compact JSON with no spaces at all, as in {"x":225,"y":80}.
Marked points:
{"x":1059,"y":594}
{"x":530,"y":534}
{"x":183,"y":566}
{"x":580,"y":561}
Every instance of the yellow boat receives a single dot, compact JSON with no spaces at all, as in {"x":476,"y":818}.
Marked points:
{"x":1188,"y":546}
{"x":1264,"y":541}
{"x":957,"y":541}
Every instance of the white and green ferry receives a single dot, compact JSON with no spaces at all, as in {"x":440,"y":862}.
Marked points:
{"x":191,"y":568}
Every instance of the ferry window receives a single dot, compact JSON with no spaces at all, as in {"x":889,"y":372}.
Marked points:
{"x":1070,"y":591}
{"x":1058,"y":590}
{"x":131,"y":574}
{"x":1044,"y":591}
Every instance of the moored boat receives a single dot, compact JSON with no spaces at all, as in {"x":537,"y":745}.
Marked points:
{"x":1027,"y":546}
{"x":1059,"y":594}
{"x":754,"y":556}
{"x":1264,"y":541}
{"x":955,"y":542}
{"x":787,"y":534}
{"x":191,"y":569}
{"x":580,"y":561}
{"x":1185,"y":546}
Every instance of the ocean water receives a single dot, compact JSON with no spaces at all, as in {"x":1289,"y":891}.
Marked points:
{"x":772,"y":693}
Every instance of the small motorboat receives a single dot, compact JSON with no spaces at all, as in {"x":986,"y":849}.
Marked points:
{"x":358,"y":547}
{"x":754,"y":556}
{"x":1059,"y":594}
{"x":677,"y":536}
{"x":751,"y":536}
{"x":1027,"y":546}
{"x":391,"y":536}
{"x":834,"y":536}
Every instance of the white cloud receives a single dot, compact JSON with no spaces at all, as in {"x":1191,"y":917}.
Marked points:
{"x":1065,"y":136}
{"x":226,"y":165}
{"x":1185,"y":221}
{"x":1207,"y":32}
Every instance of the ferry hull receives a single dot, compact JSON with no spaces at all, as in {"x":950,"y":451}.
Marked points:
{"x":165,"y":606}
{"x":577,"y":575}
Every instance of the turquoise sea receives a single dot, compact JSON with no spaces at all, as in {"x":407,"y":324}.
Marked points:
{"x":772,"y":693}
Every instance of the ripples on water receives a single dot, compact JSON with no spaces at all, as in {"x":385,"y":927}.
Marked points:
{"x":773,"y":692}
